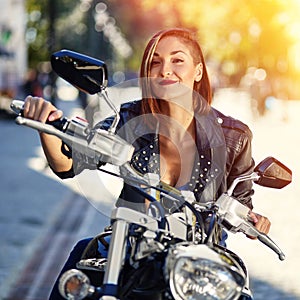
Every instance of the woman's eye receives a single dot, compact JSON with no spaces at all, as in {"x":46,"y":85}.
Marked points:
{"x":178,"y":60}
{"x":155,"y":62}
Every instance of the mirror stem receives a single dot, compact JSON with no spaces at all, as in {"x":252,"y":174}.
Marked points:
{"x":254,"y":176}
{"x":116,"y":120}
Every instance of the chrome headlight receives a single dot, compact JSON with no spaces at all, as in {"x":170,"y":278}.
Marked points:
{"x":198,"y":272}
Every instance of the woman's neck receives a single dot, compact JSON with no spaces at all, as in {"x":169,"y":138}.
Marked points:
{"x":183,"y":115}
{"x":177,"y":123}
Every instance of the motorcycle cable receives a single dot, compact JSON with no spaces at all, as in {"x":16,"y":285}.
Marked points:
{"x":156,"y":204}
{"x":183,"y":202}
{"x":179,"y":198}
{"x":212,"y":227}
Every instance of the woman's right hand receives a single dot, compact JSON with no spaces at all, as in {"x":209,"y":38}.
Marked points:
{"x":37,"y":108}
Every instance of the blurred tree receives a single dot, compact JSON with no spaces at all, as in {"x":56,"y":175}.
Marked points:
{"x":68,"y":22}
{"x":141,"y":21}
{"x":36,"y":33}
{"x":235,"y":35}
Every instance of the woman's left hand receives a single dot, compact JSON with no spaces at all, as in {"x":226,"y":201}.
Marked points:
{"x":260,"y":222}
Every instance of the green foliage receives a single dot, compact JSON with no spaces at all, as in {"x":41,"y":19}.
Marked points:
{"x":235,"y":35}
{"x":42,"y":15}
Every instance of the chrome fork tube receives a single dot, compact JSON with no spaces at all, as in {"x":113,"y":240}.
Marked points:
{"x":116,"y":252}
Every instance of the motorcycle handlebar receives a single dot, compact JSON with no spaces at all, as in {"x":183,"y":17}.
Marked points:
{"x":94,"y":149}
{"x":99,"y":146}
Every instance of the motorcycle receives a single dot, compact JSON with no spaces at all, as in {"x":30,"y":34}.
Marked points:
{"x":170,"y":251}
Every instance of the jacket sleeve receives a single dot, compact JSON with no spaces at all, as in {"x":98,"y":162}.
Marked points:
{"x":239,"y":161}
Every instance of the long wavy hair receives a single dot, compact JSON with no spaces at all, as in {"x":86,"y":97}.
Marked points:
{"x":202,"y":89}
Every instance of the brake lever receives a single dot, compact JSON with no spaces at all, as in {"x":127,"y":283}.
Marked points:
{"x":265,"y":239}
{"x":249,"y":229}
{"x":234,"y":217}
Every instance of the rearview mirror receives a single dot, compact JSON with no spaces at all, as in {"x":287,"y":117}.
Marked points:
{"x":84,"y":72}
{"x":272,"y":173}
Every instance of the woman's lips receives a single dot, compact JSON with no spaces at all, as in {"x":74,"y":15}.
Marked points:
{"x":167,"y":82}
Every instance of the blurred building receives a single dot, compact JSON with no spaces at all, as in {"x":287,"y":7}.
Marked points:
{"x":13,"y":50}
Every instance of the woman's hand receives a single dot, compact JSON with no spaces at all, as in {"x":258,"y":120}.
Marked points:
{"x":260,"y":222}
{"x":37,"y":108}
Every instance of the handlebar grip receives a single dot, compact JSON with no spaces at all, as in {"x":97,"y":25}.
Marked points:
{"x":60,"y":124}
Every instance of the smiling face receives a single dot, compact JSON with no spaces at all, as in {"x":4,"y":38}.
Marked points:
{"x":173,"y":71}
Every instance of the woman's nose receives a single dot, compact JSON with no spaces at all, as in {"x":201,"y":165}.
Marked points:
{"x":166,"y":70}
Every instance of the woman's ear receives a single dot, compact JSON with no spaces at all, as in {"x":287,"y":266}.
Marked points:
{"x":199,"y":72}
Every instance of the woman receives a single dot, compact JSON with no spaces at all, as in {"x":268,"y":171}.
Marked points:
{"x":174,"y":130}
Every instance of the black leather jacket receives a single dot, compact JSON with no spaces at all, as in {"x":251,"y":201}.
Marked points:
{"x":224,"y":153}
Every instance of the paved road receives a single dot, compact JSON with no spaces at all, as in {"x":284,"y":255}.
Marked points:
{"x":41,"y":217}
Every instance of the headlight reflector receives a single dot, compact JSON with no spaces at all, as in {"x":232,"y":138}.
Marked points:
{"x":202,"y":279}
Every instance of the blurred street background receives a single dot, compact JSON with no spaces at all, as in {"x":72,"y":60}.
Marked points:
{"x":252,"y":52}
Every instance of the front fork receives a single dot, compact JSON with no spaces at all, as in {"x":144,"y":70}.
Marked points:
{"x":115,"y":259}
{"x":121,"y":217}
